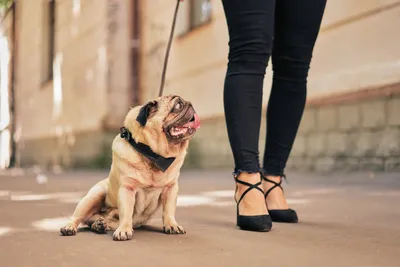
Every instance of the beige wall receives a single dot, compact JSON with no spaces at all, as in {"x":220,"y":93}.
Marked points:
{"x":80,"y":43}
{"x":90,"y":90}
{"x":119,"y":43}
{"x":357,"y":48}
{"x":85,"y":46}
{"x":6,"y":52}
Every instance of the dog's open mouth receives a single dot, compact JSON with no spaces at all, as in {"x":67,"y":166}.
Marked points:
{"x":189,"y":127}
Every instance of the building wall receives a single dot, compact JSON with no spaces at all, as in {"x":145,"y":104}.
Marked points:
{"x":120,"y":93}
{"x":356,"y":50}
{"x":82,"y":69}
{"x":347,"y":134}
{"x":62,"y":121}
{"x":355,"y":62}
{"x":6,"y":59}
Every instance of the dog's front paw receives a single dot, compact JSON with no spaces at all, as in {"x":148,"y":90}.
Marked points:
{"x":69,"y":229}
{"x":123,"y":233}
{"x":173,"y":229}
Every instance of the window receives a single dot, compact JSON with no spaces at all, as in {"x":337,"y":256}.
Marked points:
{"x":193,"y":14}
{"x":48,"y":44}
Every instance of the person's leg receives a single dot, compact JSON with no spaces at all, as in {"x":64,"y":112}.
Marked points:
{"x":297,"y":25}
{"x":250,"y":25}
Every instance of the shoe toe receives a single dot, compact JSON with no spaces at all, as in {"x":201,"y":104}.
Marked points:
{"x":259,"y":223}
{"x":285,"y":216}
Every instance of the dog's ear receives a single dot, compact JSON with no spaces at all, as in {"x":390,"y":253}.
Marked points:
{"x":146,"y":111}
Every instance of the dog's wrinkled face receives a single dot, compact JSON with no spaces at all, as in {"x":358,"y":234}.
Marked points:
{"x":171,"y":114}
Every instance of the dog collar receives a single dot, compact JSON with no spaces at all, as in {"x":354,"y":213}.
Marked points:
{"x":161,"y":162}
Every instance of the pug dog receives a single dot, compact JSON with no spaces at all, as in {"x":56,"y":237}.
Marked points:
{"x":147,"y":157}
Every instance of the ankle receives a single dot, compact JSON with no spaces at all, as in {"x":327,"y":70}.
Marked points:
{"x":270,"y":181}
{"x":275,"y":198}
{"x":276,"y":179}
{"x":253,"y":202}
{"x":252,"y":178}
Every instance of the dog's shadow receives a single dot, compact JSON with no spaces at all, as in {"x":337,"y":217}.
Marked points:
{"x":150,"y":228}
{"x":84,"y":230}
{"x":144,"y":228}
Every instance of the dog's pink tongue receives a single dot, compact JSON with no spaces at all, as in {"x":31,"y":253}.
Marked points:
{"x":194,"y":124}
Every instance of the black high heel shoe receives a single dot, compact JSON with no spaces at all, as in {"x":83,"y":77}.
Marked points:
{"x":284,"y":216}
{"x":257,"y":223}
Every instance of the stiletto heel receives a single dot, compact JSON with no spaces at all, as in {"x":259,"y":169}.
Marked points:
{"x":258,"y":223}
{"x":285,"y":216}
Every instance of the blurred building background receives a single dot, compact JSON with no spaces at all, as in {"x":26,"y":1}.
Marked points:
{"x":71,"y":69}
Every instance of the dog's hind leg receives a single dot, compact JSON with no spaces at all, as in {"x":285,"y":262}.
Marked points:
{"x":101,"y":223}
{"x":98,"y":223}
{"x":86,"y":208}
{"x":113,"y":220}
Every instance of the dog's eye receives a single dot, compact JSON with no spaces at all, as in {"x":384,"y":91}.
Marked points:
{"x":178,"y":106}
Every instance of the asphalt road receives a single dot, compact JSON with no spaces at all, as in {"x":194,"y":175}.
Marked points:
{"x":345,"y":220}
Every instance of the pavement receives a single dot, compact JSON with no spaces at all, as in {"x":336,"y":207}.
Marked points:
{"x":345,"y":220}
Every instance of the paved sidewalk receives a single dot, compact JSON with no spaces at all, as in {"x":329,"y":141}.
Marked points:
{"x":345,"y":220}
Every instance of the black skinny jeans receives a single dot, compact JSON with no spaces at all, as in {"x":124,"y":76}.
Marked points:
{"x":287,"y":30}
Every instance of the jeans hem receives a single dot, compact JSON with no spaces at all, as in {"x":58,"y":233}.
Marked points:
{"x":267,"y":172}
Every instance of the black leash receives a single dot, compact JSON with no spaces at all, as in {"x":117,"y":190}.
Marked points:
{"x":171,"y":37}
{"x":159,"y":161}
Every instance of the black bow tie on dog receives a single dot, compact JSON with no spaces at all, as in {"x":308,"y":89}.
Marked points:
{"x":161,"y":162}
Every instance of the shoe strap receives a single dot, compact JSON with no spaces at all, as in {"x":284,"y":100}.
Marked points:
{"x":273,"y":182}
{"x":251,"y":186}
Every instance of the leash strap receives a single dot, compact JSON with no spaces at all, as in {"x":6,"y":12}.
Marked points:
{"x":171,"y":37}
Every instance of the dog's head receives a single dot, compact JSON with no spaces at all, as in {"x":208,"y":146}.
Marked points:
{"x":169,"y":116}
